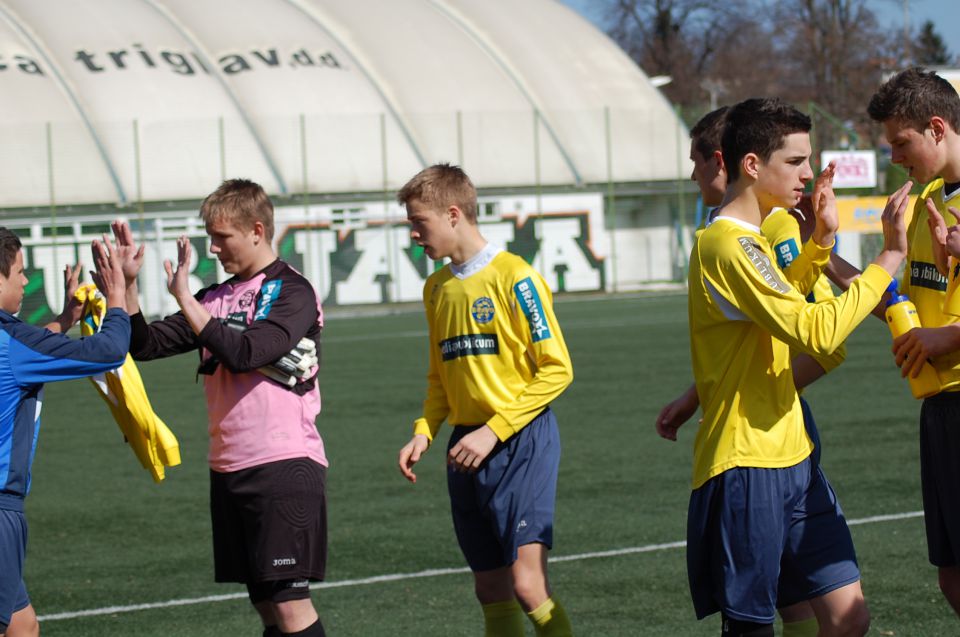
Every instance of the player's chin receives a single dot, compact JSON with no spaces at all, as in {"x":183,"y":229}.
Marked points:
{"x":794,"y":199}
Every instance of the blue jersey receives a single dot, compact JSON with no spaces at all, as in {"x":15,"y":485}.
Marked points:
{"x":29,"y":357}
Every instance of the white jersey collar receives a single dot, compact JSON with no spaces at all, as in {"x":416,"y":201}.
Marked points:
{"x":475,"y":263}
{"x":739,"y":222}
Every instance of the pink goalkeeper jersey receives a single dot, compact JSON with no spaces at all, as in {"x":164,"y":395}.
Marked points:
{"x":252,"y":420}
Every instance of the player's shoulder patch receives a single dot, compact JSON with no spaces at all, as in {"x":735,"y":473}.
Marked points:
{"x":269,"y":292}
{"x":786,"y":251}
{"x":761,"y":262}
{"x":529,"y":301}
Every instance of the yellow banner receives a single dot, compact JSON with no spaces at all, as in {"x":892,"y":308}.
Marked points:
{"x":862,"y":214}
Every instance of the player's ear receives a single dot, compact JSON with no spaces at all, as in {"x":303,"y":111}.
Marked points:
{"x":750,"y":165}
{"x":718,"y":158}
{"x":259,"y":232}
{"x":938,"y":127}
{"x":454,"y":214}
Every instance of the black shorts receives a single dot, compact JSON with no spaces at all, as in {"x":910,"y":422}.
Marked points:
{"x":270,"y":522}
{"x":940,"y":476}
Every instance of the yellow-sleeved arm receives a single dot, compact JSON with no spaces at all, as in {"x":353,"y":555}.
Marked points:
{"x":741,"y":272}
{"x":823,"y":291}
{"x":830,"y":362}
{"x":782,"y":231}
{"x":435,"y":406}
{"x":532,"y":303}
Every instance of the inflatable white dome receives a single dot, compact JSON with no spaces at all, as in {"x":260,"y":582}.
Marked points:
{"x":114,"y":101}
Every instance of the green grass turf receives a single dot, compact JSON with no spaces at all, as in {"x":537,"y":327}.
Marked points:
{"x":102,"y":534}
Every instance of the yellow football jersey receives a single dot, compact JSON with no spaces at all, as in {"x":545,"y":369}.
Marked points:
{"x":122,"y":389}
{"x":924,"y":284}
{"x":744,"y":318}
{"x":497,"y":355}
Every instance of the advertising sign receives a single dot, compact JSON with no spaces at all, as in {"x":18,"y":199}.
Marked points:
{"x":855,"y":168}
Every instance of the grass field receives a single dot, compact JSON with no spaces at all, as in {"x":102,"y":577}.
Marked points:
{"x":103,"y":535}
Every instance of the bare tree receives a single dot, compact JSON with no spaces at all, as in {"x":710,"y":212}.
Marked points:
{"x":831,"y":52}
{"x":676,"y":38}
{"x":834,"y":53}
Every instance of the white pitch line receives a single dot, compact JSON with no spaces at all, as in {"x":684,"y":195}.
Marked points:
{"x":396,"y":577}
{"x":886,"y":518}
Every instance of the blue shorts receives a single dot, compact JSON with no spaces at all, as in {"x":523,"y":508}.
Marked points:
{"x":509,"y":500}
{"x":760,"y":539}
{"x":13,"y":550}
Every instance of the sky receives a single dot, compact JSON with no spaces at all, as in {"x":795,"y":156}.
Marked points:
{"x":943,"y":13}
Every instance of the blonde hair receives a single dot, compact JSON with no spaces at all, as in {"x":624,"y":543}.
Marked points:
{"x":442,"y":185}
{"x":242,"y":202}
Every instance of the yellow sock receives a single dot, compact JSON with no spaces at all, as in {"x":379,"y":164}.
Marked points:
{"x":805,"y":628}
{"x":503,"y":619}
{"x":550,"y":620}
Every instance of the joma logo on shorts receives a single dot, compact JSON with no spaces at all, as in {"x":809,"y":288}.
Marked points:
{"x":284,"y":561}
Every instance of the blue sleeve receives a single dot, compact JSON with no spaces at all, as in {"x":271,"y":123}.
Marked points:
{"x":38,"y":355}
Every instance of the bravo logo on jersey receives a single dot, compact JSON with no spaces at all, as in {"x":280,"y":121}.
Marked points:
{"x":269,"y":292}
{"x":533,"y":309}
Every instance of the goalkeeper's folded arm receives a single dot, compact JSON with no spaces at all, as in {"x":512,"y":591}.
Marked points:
{"x":292,"y":366}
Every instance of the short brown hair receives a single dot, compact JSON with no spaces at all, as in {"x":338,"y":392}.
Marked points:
{"x":241,"y":201}
{"x":914,"y":96}
{"x":9,"y":247}
{"x":706,"y":133}
{"x":442,"y":185}
{"x":760,"y":126}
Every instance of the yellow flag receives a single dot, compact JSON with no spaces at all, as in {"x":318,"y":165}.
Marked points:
{"x":122,"y":389}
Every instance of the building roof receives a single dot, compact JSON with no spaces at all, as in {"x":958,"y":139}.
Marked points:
{"x":121,"y":100}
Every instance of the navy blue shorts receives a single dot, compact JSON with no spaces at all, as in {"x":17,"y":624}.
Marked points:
{"x":940,"y":476}
{"x":13,"y":551}
{"x":760,"y":539}
{"x":509,"y":500}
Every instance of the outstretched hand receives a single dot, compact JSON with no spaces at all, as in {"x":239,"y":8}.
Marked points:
{"x":178,"y":281}
{"x":108,"y":275}
{"x":941,"y":236}
{"x":825,"y":207}
{"x":131,"y":256}
{"x":894,"y":227}
{"x":72,"y":308}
